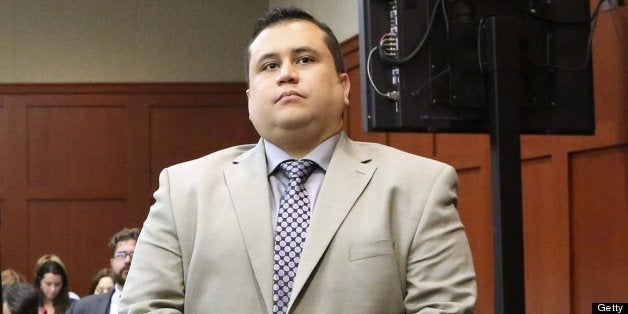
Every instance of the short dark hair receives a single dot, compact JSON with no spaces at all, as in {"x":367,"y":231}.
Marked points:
{"x":291,"y":13}
{"x":123,"y":235}
{"x":21,"y":298}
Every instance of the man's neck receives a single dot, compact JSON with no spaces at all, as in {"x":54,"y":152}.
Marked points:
{"x":299,"y":146}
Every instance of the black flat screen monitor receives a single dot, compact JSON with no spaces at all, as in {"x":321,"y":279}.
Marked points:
{"x":423,"y":65}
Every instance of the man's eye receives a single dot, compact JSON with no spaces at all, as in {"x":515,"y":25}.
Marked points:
{"x":270,"y":66}
{"x":305,"y":60}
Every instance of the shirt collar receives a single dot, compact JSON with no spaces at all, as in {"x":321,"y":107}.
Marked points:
{"x":321,"y":154}
{"x":118,"y":289}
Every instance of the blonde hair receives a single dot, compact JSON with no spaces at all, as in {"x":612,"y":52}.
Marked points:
{"x":48,"y":257}
{"x":11,"y":276}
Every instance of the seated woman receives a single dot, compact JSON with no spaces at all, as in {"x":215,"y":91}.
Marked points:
{"x":102,"y":281}
{"x":52,"y":282}
{"x":52,"y":257}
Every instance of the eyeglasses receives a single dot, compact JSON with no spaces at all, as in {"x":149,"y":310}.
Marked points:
{"x":123,"y":255}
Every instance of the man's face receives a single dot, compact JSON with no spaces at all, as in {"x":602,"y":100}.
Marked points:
{"x":121,"y":260}
{"x":293,"y":84}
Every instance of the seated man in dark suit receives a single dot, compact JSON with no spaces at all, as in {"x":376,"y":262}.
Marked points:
{"x":122,"y":246}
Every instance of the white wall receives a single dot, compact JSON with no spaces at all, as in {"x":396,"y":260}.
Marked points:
{"x":125,"y":40}
{"x":340,"y":15}
{"x":86,"y":41}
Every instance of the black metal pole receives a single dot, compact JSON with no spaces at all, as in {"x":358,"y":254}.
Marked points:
{"x":504,"y":94}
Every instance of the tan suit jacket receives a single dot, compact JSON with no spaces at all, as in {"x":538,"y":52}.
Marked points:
{"x":385,"y":237}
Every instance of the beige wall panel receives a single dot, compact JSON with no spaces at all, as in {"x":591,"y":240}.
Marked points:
{"x":193,"y":40}
{"x":125,"y":41}
{"x":7,"y":35}
{"x":340,"y":15}
{"x":73,"y":41}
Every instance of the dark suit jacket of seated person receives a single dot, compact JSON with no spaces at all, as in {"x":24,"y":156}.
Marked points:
{"x":92,"y":304}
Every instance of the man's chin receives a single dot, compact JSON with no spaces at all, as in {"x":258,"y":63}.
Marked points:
{"x":295,"y":122}
{"x":121,"y":277}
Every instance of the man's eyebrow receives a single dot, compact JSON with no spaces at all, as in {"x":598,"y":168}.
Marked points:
{"x":302,"y":49}
{"x":294,"y":51}
{"x":269,"y":55}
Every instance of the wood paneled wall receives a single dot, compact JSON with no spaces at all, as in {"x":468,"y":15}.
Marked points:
{"x":80,"y":161}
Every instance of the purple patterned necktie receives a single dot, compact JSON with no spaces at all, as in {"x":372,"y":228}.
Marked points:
{"x":293,"y":219}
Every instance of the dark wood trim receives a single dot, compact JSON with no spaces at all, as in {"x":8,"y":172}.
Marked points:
{"x":122,"y":88}
{"x":350,"y":45}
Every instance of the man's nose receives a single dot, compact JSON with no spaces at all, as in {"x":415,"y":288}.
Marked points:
{"x":288,"y":74}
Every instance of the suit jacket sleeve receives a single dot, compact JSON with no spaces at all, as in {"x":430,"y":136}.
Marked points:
{"x":155,"y":280}
{"x":92,"y":304}
{"x":440,"y":272}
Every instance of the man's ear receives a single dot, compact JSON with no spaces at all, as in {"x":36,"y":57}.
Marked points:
{"x":346,"y":86}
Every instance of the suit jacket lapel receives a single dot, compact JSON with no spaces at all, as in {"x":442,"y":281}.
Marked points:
{"x":247,"y":182}
{"x":105,"y":303}
{"x":346,"y":178}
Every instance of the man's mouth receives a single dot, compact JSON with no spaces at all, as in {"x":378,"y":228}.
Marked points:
{"x":288,"y":93}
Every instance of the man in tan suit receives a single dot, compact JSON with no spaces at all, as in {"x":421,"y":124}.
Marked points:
{"x":375,"y":230}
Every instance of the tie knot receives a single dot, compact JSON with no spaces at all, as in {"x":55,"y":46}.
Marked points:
{"x":298,"y":169}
